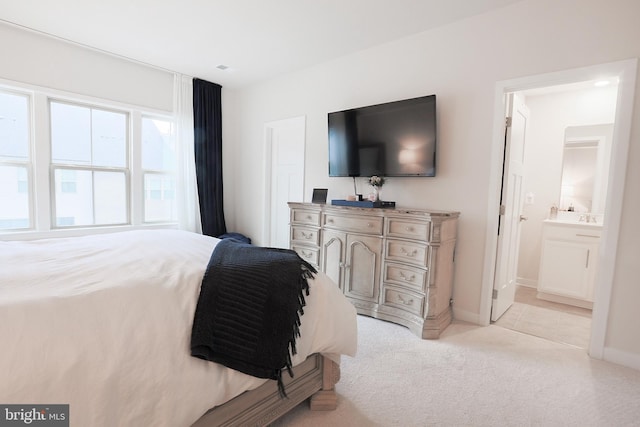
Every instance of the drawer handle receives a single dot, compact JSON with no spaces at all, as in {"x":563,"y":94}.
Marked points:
{"x":307,"y":235}
{"x":411,"y":254}
{"x":369,"y":225}
{"x":330,"y":220}
{"x":410,"y":229}
{"x":306,"y":254}
{"x":309,"y":217}
{"x":406,"y":278}
{"x":405,"y":301}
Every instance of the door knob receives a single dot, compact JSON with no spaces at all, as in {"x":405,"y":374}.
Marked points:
{"x":523,"y":218}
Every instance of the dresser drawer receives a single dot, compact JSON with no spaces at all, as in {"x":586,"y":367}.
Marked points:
{"x":407,"y":229}
{"x":408,"y":252}
{"x":404,"y":300}
{"x":356,"y":224}
{"x":307,"y":217}
{"x":307,"y":235}
{"x":405,"y":276}
{"x":311,"y":255}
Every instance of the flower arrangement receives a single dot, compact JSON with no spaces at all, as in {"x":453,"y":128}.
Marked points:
{"x":376,"y":181}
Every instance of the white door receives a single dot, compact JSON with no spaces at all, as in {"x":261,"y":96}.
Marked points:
{"x":285,"y":140}
{"x":512,"y":201}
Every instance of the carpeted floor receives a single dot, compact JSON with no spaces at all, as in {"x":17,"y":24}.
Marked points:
{"x":474,"y":376}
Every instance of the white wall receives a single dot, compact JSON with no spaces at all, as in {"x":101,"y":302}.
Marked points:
{"x":461,"y":63}
{"x":549,"y":116}
{"x":32,"y":58}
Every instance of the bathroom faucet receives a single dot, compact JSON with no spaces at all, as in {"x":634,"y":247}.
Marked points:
{"x":587,"y":217}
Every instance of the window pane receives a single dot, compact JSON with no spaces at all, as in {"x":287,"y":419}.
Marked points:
{"x":73,"y":208}
{"x":109,"y":137}
{"x":14,"y":127}
{"x":14,"y":198}
{"x":159,"y":200}
{"x":98,"y":198}
{"x":158,"y":148}
{"x":110,"y":197}
{"x":70,"y":134}
{"x":88,"y":136}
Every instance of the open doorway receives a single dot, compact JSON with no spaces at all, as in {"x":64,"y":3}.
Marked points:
{"x":625,"y":72}
{"x":569,"y":131}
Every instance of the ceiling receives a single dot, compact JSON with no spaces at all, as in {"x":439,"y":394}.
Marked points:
{"x":256,"y":39}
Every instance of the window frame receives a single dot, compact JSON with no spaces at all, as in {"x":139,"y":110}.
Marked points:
{"x":162,"y":172}
{"x":27,"y":164}
{"x":40,"y":172}
{"x":53,"y":166}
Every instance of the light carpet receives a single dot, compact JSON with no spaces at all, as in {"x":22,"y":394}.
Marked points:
{"x":473,"y":376}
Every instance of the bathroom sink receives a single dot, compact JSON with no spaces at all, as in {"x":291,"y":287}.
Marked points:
{"x":574,"y":223}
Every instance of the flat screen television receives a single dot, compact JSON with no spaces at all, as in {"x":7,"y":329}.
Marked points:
{"x":392,"y":139}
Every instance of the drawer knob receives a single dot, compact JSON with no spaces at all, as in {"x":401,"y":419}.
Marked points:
{"x":408,"y":228}
{"x":306,"y":254}
{"x":407,"y":253}
{"x":307,"y":235}
{"x":309,"y":217}
{"x":407,"y":278}
{"x":405,"y":301}
{"x":330,"y":220}
{"x":369,"y":225}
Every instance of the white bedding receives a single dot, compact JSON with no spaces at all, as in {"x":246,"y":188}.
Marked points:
{"x":103,"y":323}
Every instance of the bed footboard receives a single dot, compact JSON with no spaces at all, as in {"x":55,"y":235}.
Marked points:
{"x":326,"y":399}
{"x":315,"y":377}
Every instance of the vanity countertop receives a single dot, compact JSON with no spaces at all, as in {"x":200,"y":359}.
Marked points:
{"x":573,"y":223}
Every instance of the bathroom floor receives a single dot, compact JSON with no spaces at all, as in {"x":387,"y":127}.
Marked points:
{"x":556,"y":322}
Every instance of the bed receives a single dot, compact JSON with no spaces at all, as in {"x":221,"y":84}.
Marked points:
{"x":103,"y":323}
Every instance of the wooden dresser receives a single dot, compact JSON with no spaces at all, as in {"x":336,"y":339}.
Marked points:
{"x":392,"y":264}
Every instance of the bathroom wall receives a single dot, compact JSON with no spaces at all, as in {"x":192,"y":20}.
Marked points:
{"x":550,"y":115}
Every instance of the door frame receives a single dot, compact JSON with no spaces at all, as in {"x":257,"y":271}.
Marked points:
{"x":626,"y":72}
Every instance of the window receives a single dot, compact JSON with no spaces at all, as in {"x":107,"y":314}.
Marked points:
{"x":158,"y":168}
{"x":15,"y":161}
{"x":89,"y":161}
{"x":69,"y":161}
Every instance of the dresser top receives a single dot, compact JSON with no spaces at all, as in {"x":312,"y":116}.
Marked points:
{"x":434,"y":213}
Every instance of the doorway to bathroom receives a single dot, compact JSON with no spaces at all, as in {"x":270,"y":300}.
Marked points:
{"x":566,"y":153}
{"x":506,"y":271}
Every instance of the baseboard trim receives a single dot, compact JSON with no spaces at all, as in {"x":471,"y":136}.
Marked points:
{"x":619,"y":357}
{"x":529,"y":283}
{"x":467,"y":316}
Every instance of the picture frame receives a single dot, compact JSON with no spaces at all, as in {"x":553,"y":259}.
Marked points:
{"x":319,"y":195}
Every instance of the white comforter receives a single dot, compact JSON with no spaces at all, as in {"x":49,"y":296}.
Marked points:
{"x":103,"y":323}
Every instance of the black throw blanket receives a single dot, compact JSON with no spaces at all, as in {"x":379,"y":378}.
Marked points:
{"x":248,"y":313}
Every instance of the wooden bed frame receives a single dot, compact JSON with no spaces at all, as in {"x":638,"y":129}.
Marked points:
{"x":314,"y":378}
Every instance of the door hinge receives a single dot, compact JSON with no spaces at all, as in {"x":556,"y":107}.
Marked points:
{"x":507,"y":121}
{"x":495,"y":294}
{"x":503,"y":209}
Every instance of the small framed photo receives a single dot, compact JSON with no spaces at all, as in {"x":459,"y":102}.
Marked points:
{"x":319,"y":195}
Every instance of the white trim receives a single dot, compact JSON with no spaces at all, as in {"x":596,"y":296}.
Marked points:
{"x":631,"y":360}
{"x":527,"y":283}
{"x":613,"y":207}
{"x":626,"y":72}
{"x":466,"y":316}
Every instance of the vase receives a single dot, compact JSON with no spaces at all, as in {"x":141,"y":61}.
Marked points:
{"x":376,"y":194}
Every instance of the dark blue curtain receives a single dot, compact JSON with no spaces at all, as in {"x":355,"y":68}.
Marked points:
{"x":207,"y":132}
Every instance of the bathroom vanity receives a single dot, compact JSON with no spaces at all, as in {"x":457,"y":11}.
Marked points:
{"x":568,"y":261}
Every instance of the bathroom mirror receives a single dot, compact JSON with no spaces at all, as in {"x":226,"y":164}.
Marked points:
{"x":585,"y":164}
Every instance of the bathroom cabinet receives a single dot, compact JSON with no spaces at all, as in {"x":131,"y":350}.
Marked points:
{"x":392,"y":264}
{"x":568,"y":262}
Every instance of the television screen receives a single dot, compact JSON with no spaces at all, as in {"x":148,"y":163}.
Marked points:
{"x":393,"y":139}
